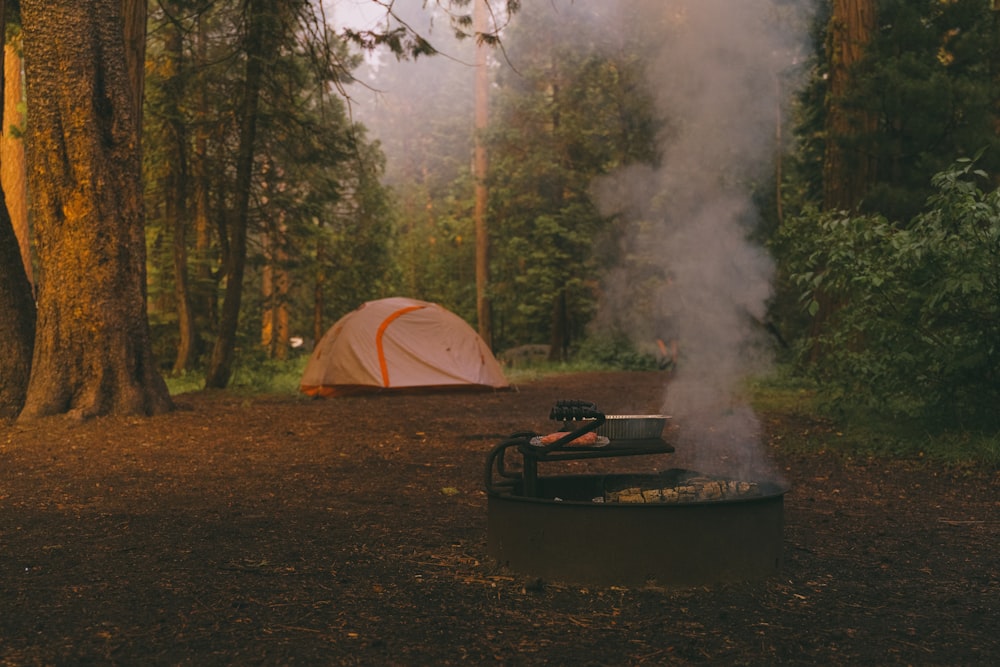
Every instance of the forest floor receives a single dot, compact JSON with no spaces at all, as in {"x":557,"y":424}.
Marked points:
{"x":353,"y":531}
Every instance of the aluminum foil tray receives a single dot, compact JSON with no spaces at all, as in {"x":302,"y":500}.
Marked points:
{"x":633,"y":427}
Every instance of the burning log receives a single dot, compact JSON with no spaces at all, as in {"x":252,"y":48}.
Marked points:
{"x":695,"y":489}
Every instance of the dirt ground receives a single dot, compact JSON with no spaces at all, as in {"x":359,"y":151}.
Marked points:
{"x":282,"y":531}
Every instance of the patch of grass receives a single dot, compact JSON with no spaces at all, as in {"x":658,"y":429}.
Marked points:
{"x":870,"y":434}
{"x":784,"y":394}
{"x":809,"y":426}
{"x":538,"y":371}
{"x":185,"y":382}
{"x":525,"y":374}
{"x":270,"y":376}
{"x":261,"y":377}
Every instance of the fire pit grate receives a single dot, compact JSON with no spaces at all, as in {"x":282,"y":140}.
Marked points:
{"x":675,"y":527}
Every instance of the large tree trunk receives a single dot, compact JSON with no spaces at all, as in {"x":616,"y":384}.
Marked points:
{"x":221,"y":363}
{"x":185,"y":356}
{"x":483,"y":310}
{"x":849,"y":166}
{"x":92,"y":348}
{"x":319,"y":304}
{"x":275,"y":282}
{"x":13,"y":171}
{"x":17,"y":323}
{"x":176,"y":188}
{"x":203,"y":299}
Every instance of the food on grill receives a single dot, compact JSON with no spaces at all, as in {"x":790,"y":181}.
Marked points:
{"x":589,"y":439}
{"x":585,"y":439}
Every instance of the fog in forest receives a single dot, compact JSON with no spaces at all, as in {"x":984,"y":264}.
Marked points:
{"x":689,"y":271}
{"x":421,"y":111}
{"x":685,"y":268}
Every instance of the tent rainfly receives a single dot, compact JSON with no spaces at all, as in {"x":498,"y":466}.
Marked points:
{"x":400,"y":343}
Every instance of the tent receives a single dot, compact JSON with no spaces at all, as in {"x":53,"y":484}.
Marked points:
{"x":400,"y":343}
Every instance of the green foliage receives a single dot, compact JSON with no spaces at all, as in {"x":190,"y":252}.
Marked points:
{"x":186,"y":382}
{"x":436,"y":246}
{"x":909,"y":315}
{"x":927,"y":80}
{"x":787,"y":396}
{"x":356,"y":237}
{"x":569,"y":114}
{"x":320,"y":220}
{"x":613,"y":351}
{"x":254,"y":375}
{"x":270,"y":376}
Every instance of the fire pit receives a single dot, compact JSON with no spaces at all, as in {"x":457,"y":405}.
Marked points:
{"x":673,"y":528}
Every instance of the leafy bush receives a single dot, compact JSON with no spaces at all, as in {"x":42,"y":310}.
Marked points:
{"x":613,"y":351}
{"x":785,"y":395}
{"x":908,"y":315}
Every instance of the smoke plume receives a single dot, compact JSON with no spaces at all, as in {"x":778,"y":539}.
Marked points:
{"x":690,"y":272}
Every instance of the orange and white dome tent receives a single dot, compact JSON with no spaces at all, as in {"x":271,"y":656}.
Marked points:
{"x":400,"y":343}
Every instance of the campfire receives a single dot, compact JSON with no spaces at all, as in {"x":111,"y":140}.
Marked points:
{"x":695,"y":489}
{"x":672,"y":527}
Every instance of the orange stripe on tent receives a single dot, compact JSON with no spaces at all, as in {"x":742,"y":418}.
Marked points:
{"x":378,"y":339}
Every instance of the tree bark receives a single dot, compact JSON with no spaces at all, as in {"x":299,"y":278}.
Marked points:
{"x":92,"y":352}
{"x":176,"y":189}
{"x":17,"y":325}
{"x":203,"y":300}
{"x":185,"y":356}
{"x":274,"y":291}
{"x":134,"y":34}
{"x":13,"y":170}
{"x":319,"y":284}
{"x":848,"y":168}
{"x":483,"y":310}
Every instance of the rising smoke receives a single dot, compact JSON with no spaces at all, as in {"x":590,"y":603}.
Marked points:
{"x":689,"y":271}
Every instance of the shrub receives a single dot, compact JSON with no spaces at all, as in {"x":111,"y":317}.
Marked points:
{"x":613,"y":351}
{"x":908,"y":315}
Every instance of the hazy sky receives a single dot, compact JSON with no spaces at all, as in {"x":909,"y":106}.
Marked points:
{"x":357,"y":14}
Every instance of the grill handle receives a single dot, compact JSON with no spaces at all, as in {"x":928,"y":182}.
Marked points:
{"x":573,"y":410}
{"x":566,"y":411}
